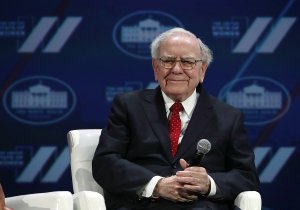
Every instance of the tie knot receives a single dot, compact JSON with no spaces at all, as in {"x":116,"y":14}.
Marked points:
{"x":176,"y":107}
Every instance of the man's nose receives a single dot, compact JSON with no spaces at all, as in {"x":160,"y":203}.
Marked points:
{"x":177,"y":67}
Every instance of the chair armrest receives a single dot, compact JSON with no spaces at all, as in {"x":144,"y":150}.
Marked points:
{"x":248,"y":200}
{"x":88,"y":200}
{"x":60,"y":200}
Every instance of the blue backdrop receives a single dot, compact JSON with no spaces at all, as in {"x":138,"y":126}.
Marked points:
{"x":62,"y":62}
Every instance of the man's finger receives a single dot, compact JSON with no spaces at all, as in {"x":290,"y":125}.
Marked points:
{"x":183,"y":164}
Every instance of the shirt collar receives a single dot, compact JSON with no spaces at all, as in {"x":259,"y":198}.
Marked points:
{"x":188,"y":104}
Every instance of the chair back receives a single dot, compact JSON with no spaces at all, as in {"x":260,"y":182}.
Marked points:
{"x":82,"y":145}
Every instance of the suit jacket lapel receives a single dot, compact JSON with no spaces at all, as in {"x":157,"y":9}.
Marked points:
{"x":199,"y":120}
{"x":156,"y":112}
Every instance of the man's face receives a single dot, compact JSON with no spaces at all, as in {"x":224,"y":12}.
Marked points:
{"x":176,"y":82}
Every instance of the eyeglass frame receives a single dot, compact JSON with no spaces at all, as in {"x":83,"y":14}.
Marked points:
{"x":180,"y":62}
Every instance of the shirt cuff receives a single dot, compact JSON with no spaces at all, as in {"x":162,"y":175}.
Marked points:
{"x":213,"y":188}
{"x":149,"y":188}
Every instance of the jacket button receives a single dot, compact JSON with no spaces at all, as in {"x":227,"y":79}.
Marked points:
{"x":174,"y":166}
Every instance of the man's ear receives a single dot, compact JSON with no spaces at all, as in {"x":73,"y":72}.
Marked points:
{"x":155,"y":66}
{"x":202,"y":72}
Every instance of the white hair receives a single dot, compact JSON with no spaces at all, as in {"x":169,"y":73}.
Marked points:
{"x":155,"y":45}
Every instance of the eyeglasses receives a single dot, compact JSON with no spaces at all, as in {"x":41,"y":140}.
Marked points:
{"x":185,"y":63}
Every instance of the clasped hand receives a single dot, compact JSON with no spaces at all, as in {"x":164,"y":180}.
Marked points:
{"x":185,"y":186}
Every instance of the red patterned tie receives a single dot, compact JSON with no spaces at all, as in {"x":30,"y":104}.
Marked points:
{"x":175,"y":126}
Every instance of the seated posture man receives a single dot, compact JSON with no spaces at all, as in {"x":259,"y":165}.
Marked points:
{"x":142,"y":160}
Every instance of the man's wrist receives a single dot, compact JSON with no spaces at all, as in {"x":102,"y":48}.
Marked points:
{"x":209,"y":188}
{"x":155,"y":193}
{"x":212,"y":187}
{"x":147,"y":191}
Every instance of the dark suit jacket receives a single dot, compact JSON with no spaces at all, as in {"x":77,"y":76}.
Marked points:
{"x":135,"y":146}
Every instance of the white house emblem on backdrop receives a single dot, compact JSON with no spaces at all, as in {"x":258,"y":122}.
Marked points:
{"x":262,"y":100}
{"x":134,"y":32}
{"x":255,"y":97}
{"x":39,"y":100}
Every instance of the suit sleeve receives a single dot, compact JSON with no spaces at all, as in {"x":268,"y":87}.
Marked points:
{"x":111,"y":169}
{"x":240,"y":174}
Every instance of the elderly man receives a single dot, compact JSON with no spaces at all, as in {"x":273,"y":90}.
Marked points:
{"x":142,"y":160}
